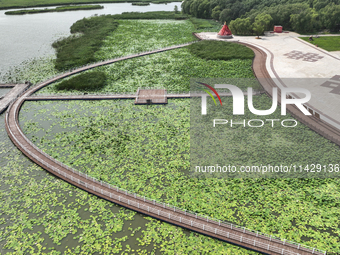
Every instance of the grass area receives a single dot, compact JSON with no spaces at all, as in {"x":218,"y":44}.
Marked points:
{"x":200,"y":23}
{"x":206,"y":25}
{"x":219,"y":50}
{"x":91,"y":81}
{"x":11,"y":4}
{"x":97,"y":32}
{"x":171,"y":69}
{"x":330,"y":43}
{"x":77,"y":51}
{"x":146,"y":149}
{"x":57,"y":9}
{"x":152,"y":34}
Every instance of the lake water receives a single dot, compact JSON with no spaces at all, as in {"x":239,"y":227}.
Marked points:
{"x":29,"y":36}
{"x":4,"y":91}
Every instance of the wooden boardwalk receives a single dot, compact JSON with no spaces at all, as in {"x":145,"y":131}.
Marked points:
{"x":81,"y":97}
{"x":121,"y":96}
{"x":205,"y":225}
{"x":16,"y":90}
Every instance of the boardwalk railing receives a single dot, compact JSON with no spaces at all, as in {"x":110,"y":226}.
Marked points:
{"x":82,"y":94}
{"x":159,"y":212}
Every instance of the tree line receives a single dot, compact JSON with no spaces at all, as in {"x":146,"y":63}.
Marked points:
{"x":253,"y":16}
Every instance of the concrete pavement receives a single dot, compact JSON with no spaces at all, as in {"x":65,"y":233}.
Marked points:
{"x":292,"y":62}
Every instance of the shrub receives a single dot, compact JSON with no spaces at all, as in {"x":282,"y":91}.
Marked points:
{"x":88,"y":81}
{"x":218,"y":50}
{"x":241,"y":26}
{"x":77,"y":51}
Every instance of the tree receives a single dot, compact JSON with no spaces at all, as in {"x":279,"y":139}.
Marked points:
{"x":176,"y":9}
{"x":204,"y":10}
{"x":261,"y":23}
{"x":200,"y":9}
{"x":186,"y":6}
{"x":225,"y":16}
{"x":330,"y":17}
{"x":240,"y":26}
{"x":305,"y":21}
{"x":215,"y":13}
{"x":319,"y":4}
{"x":258,"y":29}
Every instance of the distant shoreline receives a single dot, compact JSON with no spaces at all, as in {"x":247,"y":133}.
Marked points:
{"x":72,"y":2}
{"x":57,"y":9}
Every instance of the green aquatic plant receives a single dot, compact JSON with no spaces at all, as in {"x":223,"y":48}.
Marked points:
{"x":171,"y":70}
{"x":145,"y":149}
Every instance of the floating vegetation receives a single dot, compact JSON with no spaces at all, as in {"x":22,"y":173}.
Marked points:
{"x":34,"y":70}
{"x":171,"y":70}
{"x":144,"y":35}
{"x":41,"y":213}
{"x":145,"y":149}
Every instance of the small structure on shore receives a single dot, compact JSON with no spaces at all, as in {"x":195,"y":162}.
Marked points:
{"x":277,"y":29}
{"x":225,"y":32}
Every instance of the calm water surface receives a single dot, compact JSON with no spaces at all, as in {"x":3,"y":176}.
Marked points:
{"x":31,"y":35}
{"x":4,"y":91}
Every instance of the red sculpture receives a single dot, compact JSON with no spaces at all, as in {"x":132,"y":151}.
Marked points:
{"x":225,"y":30}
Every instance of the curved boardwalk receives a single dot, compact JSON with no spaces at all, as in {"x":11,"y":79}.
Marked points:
{"x":205,"y":225}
